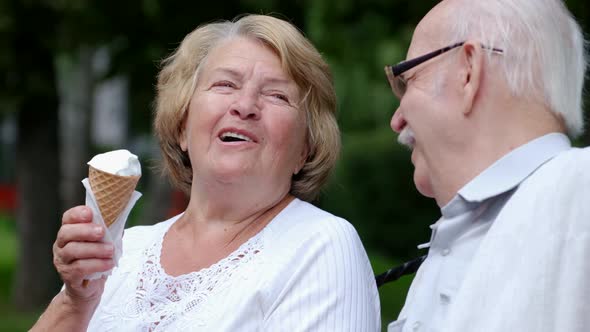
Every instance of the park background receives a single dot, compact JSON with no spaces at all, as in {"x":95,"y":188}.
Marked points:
{"x":77,"y":78}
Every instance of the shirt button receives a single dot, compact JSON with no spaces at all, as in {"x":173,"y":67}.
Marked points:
{"x":416,"y":325}
{"x":446,"y":251}
{"x":445,"y":299}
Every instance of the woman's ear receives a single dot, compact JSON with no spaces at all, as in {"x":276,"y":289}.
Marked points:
{"x":302,"y":159}
{"x":471,"y":72}
{"x":182,"y":137}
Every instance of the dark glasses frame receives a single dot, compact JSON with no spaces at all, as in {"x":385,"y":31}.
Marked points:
{"x":393,"y":72}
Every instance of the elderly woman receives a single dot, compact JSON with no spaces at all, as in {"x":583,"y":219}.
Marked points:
{"x":246,"y":122}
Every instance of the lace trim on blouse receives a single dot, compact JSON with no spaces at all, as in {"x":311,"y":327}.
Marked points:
{"x":161,"y":300}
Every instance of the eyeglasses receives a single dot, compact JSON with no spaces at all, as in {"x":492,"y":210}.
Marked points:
{"x":399,"y":84}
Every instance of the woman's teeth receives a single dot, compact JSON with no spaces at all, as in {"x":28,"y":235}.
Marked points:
{"x":234,"y":137}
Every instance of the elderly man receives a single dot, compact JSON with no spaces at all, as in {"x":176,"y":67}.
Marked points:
{"x":490,"y":93}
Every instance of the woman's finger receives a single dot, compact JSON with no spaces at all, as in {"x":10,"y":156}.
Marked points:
{"x":78,"y":270}
{"x":78,"y":214}
{"x":83,"y":232}
{"x":84,"y":250}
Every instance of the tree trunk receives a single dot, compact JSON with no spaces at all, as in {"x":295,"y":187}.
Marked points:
{"x":37,"y":159}
{"x":76,"y":92}
{"x":38,"y":212}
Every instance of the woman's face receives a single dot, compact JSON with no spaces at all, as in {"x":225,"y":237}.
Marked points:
{"x":244,"y":124}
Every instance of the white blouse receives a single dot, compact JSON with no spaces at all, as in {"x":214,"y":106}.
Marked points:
{"x":305,"y":271}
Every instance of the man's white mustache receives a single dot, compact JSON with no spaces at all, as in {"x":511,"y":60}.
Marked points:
{"x":406,"y":137}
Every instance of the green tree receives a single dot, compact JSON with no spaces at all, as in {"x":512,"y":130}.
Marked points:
{"x":29,"y":89}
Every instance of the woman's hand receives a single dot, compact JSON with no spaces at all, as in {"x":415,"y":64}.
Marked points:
{"x":78,"y":252}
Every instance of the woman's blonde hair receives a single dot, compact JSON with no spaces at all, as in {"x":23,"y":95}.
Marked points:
{"x":300,"y":60}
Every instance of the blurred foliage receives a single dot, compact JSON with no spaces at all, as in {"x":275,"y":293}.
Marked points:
{"x":373,"y":188}
{"x":7,"y":253}
{"x":11,"y":320}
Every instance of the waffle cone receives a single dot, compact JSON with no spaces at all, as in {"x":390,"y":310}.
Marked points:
{"x":112,"y":192}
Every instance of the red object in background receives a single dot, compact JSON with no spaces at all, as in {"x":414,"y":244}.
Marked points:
{"x":178,"y":203}
{"x":7,"y":198}
{"x":8,"y":203}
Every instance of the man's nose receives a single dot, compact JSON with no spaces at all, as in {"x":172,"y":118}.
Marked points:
{"x":246,"y":106}
{"x":398,"y":122}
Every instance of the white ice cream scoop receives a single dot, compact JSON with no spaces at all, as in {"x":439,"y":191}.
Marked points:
{"x":118,"y":162}
{"x":113,"y":176}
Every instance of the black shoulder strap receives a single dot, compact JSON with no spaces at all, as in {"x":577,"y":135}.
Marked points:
{"x":395,"y":273}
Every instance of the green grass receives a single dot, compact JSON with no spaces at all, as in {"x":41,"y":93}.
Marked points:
{"x":8,"y":248}
{"x":392,"y":295}
{"x":14,"y":321}
{"x":11,"y":320}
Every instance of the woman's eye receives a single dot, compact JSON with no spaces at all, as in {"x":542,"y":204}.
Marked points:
{"x":226,"y":84}
{"x":281,"y":97}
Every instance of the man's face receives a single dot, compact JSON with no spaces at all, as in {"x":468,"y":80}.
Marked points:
{"x":425,"y":119}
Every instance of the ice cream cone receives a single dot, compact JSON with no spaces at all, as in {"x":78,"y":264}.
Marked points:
{"x":112,"y":192}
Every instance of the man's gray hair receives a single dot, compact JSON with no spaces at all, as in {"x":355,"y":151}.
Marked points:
{"x":544,"y":49}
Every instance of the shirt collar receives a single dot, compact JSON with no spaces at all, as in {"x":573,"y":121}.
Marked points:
{"x":509,"y":171}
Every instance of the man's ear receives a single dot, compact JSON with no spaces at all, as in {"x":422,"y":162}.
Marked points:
{"x":471,"y":72}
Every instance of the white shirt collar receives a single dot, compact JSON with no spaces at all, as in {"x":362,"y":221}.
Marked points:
{"x":508,"y":172}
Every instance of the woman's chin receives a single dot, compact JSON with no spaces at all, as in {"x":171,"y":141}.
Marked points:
{"x":229,"y":175}
{"x":233,"y":171}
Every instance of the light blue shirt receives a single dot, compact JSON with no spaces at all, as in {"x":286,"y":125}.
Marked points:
{"x":457,"y":235}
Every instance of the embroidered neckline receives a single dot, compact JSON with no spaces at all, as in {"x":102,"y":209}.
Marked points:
{"x":156,"y":247}
{"x":163,"y":301}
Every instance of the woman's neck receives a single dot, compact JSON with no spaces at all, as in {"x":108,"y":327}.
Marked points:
{"x":222,"y":203}
{"x":226,"y":211}
{"x":195,"y":242}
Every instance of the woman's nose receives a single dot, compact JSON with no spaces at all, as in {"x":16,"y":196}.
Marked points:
{"x":398,"y":122}
{"x":246,"y":106}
